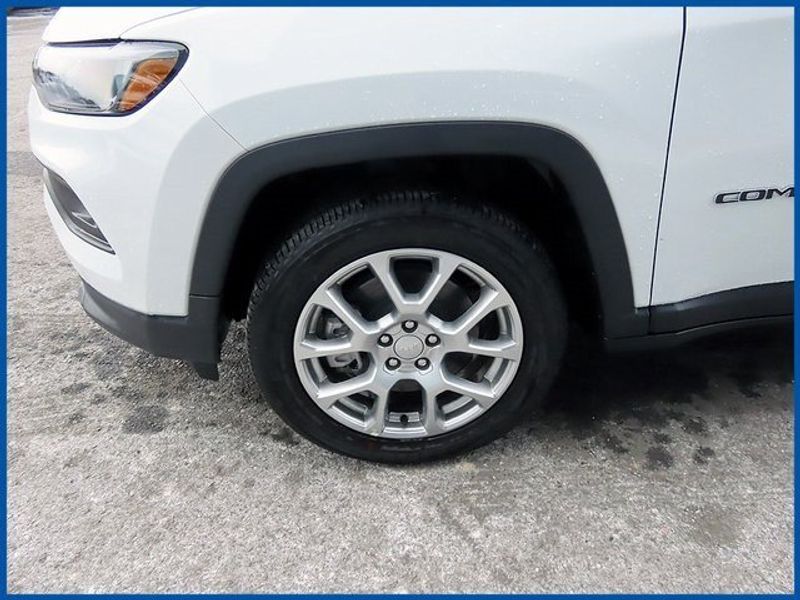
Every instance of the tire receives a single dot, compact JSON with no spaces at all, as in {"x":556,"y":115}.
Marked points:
{"x":441,"y":224}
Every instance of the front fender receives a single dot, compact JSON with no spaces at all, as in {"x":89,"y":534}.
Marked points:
{"x":565,"y":156}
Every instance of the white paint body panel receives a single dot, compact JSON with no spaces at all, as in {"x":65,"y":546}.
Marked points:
{"x":605,"y":76}
{"x":733,"y":130}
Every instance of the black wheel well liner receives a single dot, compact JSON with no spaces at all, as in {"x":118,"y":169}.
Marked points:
{"x":566,"y":159}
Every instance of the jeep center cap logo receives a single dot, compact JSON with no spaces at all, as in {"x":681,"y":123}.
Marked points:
{"x":408,"y":347}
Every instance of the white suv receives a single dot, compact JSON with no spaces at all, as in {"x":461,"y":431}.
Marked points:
{"x":408,"y":206}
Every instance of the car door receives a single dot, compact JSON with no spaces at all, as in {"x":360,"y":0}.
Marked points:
{"x":728,"y":205}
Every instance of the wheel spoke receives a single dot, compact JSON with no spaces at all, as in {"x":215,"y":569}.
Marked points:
{"x":332,"y":299}
{"x":503,"y":347}
{"x":328,"y":392}
{"x":317,"y":348}
{"x":382,"y":268}
{"x":482,"y":392}
{"x":444,"y":267}
{"x":489,"y":300}
{"x":377,"y":419}
{"x":431,"y":419}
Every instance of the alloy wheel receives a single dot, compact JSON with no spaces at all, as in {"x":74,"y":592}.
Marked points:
{"x":408,"y":343}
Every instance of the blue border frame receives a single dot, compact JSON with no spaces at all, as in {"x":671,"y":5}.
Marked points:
{"x":401,"y":3}
{"x":310,"y":3}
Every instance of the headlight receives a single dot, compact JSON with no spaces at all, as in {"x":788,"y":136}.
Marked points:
{"x":104,"y":78}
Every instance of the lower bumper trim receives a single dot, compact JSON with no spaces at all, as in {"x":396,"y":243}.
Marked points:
{"x":195,"y":338}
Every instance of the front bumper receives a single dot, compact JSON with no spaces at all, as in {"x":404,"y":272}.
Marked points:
{"x":143,"y":182}
{"x":145,"y":179}
{"x":195,"y":338}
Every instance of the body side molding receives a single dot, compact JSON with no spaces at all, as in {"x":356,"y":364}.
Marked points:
{"x":757,"y":301}
{"x":671,"y":325}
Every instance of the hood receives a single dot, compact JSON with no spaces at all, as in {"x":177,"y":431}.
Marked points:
{"x":83,"y":24}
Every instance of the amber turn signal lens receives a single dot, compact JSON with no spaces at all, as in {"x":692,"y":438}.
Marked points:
{"x":147,"y":76}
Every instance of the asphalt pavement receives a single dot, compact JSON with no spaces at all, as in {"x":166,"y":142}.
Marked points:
{"x":667,"y":472}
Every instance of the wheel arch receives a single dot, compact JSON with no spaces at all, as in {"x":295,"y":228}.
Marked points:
{"x":570,"y":162}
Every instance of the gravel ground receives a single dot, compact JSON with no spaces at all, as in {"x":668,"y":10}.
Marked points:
{"x":664,"y":472}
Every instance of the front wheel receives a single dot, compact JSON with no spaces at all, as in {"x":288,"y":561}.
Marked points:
{"x":406,"y":328}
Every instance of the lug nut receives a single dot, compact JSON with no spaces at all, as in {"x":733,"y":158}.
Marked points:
{"x":392,"y":363}
{"x":409,"y":325}
{"x":422,"y":363}
{"x":432,"y":340}
{"x":385,"y":340}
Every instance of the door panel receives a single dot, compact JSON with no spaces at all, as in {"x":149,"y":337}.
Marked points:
{"x":732,"y":132}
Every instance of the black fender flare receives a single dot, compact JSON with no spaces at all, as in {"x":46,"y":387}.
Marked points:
{"x":564,"y":155}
